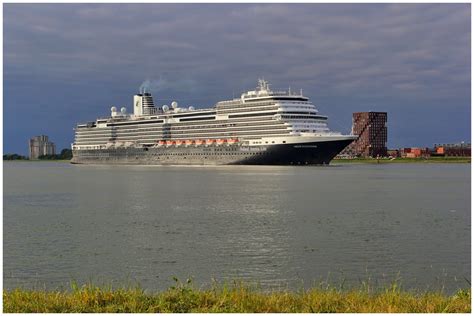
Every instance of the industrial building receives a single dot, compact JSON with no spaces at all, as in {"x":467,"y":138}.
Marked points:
{"x":40,"y":146}
{"x":439,"y":150}
{"x":452,"y":150}
{"x":415,"y":152}
{"x":371,"y":128}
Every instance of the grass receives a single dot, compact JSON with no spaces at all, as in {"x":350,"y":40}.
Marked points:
{"x":236,"y":298}
{"x":406,"y":160}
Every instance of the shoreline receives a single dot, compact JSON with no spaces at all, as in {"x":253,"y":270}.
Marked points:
{"x":37,"y":160}
{"x":430,"y":160}
{"x":404,"y":160}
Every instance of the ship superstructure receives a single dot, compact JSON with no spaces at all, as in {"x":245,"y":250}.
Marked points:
{"x":260,"y":127}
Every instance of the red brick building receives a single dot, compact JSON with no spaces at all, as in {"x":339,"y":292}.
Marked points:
{"x":415,"y":152}
{"x":371,"y":127}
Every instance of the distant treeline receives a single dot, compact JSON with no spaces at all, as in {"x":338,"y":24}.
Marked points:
{"x":66,"y":154}
{"x":14,"y":157}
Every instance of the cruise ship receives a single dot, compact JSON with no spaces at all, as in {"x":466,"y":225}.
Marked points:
{"x":262,"y":127}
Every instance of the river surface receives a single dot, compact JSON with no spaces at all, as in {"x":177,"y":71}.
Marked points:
{"x":278,"y":227}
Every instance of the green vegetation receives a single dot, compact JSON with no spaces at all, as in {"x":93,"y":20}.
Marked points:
{"x":66,"y":154}
{"x":405,"y":160}
{"x":237,"y":298}
{"x":14,"y":157}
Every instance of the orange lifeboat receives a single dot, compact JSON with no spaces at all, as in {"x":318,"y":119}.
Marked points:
{"x":179,"y":142}
{"x":221,"y":141}
{"x":189,"y":142}
{"x":161,"y":143}
{"x":170,"y":142}
{"x":210,"y":141}
{"x":233,"y":140}
{"x":199,"y":141}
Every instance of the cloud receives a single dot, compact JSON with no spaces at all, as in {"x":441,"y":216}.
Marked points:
{"x":415,"y":53}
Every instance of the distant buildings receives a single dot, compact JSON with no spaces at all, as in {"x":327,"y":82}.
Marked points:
{"x":415,"y":152}
{"x":371,"y":127}
{"x":460,"y":149}
{"x":439,"y":150}
{"x":40,"y":146}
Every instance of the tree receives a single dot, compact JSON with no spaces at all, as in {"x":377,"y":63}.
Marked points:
{"x":65,"y":154}
{"x":48,"y":157}
{"x":14,"y":157}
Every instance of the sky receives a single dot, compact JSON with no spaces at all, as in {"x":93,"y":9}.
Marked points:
{"x":69,"y":63}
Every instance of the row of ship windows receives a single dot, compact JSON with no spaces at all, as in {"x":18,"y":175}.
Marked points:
{"x":237,"y":122}
{"x":247,"y":110}
{"x":167,"y":130}
{"x":199,"y":134}
{"x":185,"y":127}
{"x":244,"y":105}
{"x":147,"y":141}
{"x":273,"y":142}
{"x":228,"y":125}
{"x":203,"y":154}
{"x":194,"y":135}
{"x":267,"y":118}
{"x":178,"y":135}
{"x":187,"y":154}
{"x":253,"y":104}
{"x":213,"y":119}
{"x":184,"y":132}
{"x":233,"y":130}
{"x":302,"y":117}
{"x":205,"y":134}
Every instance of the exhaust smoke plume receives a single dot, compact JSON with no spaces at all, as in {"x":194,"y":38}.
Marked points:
{"x":152,"y":86}
{"x":175,"y":86}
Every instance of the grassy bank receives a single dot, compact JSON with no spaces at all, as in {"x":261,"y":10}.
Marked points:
{"x":237,"y":298}
{"x":406,"y":160}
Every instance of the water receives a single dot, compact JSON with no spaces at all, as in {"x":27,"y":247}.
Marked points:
{"x":276,"y":226}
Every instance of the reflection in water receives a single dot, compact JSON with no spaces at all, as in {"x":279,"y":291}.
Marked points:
{"x":276,"y":226}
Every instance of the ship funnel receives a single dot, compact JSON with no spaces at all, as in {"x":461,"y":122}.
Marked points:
{"x":143,"y":104}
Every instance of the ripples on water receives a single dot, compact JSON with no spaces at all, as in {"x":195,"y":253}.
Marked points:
{"x":276,"y":226}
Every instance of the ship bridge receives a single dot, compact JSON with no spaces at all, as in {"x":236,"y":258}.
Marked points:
{"x":263,"y":91}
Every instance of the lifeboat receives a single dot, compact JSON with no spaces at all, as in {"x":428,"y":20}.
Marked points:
{"x":179,"y":142}
{"x":221,"y":141}
{"x":170,"y":142}
{"x":233,"y":141}
{"x":210,"y":141}
{"x":161,"y":143}
{"x":189,"y":142}
{"x":199,"y":141}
